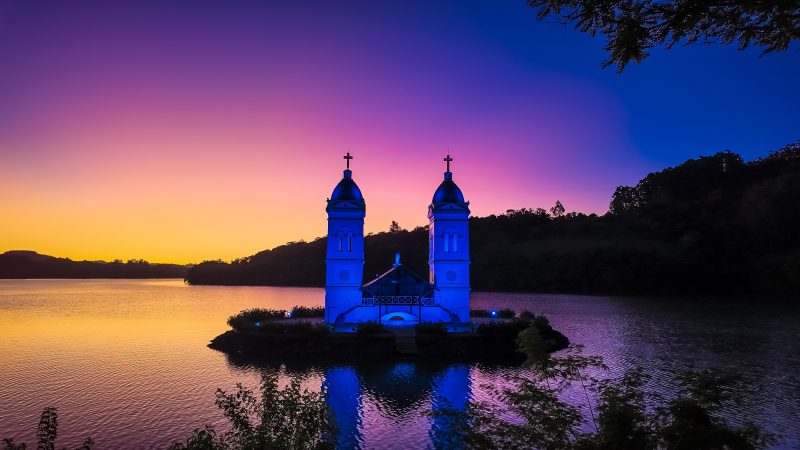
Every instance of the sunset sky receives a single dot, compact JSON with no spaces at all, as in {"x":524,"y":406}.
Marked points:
{"x":184,"y":131}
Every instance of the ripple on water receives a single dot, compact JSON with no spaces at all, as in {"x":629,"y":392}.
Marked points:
{"x":125,"y":361}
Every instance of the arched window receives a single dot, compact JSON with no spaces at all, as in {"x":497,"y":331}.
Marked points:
{"x":446,"y":242}
{"x":345,"y":239}
{"x":455,"y":242}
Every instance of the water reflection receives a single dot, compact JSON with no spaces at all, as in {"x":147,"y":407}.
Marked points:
{"x":367,"y":399}
{"x":345,"y":399}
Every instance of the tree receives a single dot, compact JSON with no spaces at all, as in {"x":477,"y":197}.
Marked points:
{"x":395,"y":227}
{"x":283,"y":418}
{"x":631,"y":27}
{"x":625,"y":199}
{"x":558,"y":209}
{"x":536,"y":415}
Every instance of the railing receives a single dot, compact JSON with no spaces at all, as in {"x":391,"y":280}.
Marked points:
{"x":397,"y":300}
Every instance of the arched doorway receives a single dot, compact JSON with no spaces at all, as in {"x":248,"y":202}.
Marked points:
{"x":399,"y":319}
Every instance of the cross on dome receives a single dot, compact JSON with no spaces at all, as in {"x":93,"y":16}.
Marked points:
{"x":447,"y":159}
{"x":348,"y":158}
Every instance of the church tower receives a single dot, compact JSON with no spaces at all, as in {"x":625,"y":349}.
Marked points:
{"x":448,"y":256}
{"x":344,"y":261}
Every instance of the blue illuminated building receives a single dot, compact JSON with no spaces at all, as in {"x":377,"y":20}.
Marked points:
{"x":398,"y":296}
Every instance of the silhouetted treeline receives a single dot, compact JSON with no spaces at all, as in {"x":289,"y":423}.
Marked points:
{"x":712,"y":225}
{"x":29,"y":264}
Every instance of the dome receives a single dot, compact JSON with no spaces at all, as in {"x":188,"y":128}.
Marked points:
{"x":347,"y":189}
{"x":448,"y":191}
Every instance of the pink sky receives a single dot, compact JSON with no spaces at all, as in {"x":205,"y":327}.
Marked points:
{"x":138,"y":130}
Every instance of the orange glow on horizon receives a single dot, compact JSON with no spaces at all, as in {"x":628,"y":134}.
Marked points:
{"x":186,"y":207}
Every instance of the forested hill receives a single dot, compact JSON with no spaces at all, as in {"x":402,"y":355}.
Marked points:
{"x":29,"y":264}
{"x":712,"y":225}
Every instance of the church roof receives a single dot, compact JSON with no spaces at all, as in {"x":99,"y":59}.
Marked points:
{"x":448,"y":191}
{"x":448,"y":197}
{"x":347,"y":189}
{"x":399,"y":280}
{"x":346,"y":196}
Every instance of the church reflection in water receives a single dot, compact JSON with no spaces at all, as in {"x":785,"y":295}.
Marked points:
{"x":370,"y":401}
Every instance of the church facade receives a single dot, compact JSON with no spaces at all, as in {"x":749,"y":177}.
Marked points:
{"x":398,"y":296}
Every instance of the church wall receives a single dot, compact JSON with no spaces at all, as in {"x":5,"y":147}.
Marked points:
{"x":354,"y":227}
{"x":344,"y":263}
{"x":449,"y":260}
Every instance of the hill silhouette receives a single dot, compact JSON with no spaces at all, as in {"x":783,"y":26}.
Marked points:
{"x":29,"y":264}
{"x":709,"y":226}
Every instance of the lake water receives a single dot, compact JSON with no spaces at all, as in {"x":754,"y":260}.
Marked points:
{"x":126,"y":362}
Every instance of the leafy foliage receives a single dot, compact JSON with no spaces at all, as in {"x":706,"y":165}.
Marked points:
{"x":541,"y":419}
{"x":631,"y":27}
{"x":510,"y":328}
{"x":395,"y":227}
{"x":283,"y":418}
{"x":535,"y":415}
{"x":558,"y":209}
{"x":306,"y":312}
{"x":251,"y":318}
{"x":622,"y":419}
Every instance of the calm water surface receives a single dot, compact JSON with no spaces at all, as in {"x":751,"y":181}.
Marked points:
{"x":126,"y":362}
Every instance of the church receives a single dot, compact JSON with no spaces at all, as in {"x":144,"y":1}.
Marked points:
{"x":398,"y":296}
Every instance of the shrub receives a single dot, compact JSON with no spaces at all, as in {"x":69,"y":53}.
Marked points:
{"x":302,"y":328}
{"x":249,"y":318}
{"x":431,"y":328}
{"x":479,"y":313}
{"x":541,"y":323}
{"x":366,"y":328}
{"x":527,"y":315}
{"x":288,"y":417}
{"x":505,"y":313}
{"x":303,"y":312}
{"x":509,"y":329}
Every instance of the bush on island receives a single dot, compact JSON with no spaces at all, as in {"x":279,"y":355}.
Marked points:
{"x":510,"y":328}
{"x":253,"y":318}
{"x":302,"y":328}
{"x":306,"y":312}
{"x":365,"y":328}
{"x":431,"y":328}
{"x":479,"y":313}
{"x":541,"y":323}
{"x":505,"y":313}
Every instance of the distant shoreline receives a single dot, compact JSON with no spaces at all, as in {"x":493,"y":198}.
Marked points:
{"x":27,"y":264}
